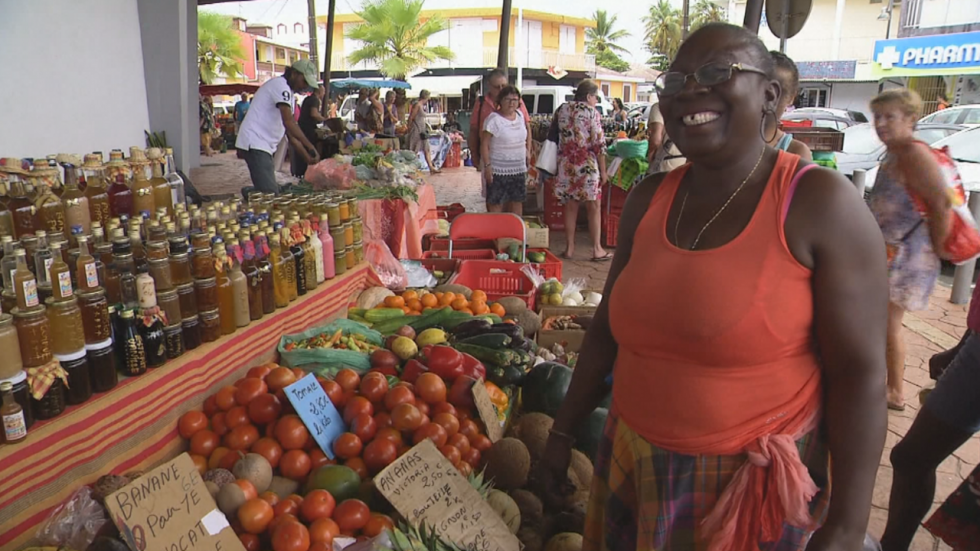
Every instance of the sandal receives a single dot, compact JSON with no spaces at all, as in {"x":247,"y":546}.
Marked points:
{"x":896,"y":407}
{"x":606,"y":257}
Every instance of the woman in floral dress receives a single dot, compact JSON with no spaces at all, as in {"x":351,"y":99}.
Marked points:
{"x":581,"y":165}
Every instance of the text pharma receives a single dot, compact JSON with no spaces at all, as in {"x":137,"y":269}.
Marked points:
{"x":941,"y":54}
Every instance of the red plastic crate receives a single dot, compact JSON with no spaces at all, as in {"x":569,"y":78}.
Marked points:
{"x":454,"y":157}
{"x":498,"y":279}
{"x":461,"y":254}
{"x":554,"y":213}
{"x":442,"y":244}
{"x":613,"y":199}
{"x":448,"y":266}
{"x":610,"y":227}
{"x":551,"y":267}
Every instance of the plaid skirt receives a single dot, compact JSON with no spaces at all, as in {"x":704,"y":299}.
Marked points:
{"x":645,"y":498}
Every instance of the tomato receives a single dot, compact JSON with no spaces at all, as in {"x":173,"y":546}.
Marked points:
{"x":204,"y":442}
{"x":461,"y":442}
{"x":352,"y":515}
{"x":291,"y":536}
{"x":268,"y":448}
{"x":295,"y":464}
{"x":324,"y":530}
{"x":469,"y":428}
{"x":255,"y":515}
{"x":423,"y":408}
{"x":431,"y":431}
{"x":286,"y":507}
{"x":264,"y":409}
{"x":406,"y":417}
{"x":319,"y":545}
{"x":215,"y":458}
{"x":210,"y":406}
{"x":279,"y":378}
{"x":348,"y":379}
{"x":281,"y":520}
{"x":335,"y":393}
{"x":242,"y":438}
{"x":461,"y":393}
{"x":443,"y":407}
{"x":229,"y":459}
{"x":379,"y":453}
{"x":472,"y":456}
{"x":389,"y":433}
{"x":270,"y":497}
{"x":191,"y":422}
{"x":364,"y":427}
{"x":317,"y":504}
{"x":249,"y":541}
{"x":382,"y":419}
{"x":250,"y":389}
{"x":236,"y":417}
{"x":464,"y":469}
{"x":259,"y":372}
{"x":319,"y":459}
{"x":481,"y":443}
{"x":299,"y":372}
{"x":431,"y":388}
{"x":291,"y":432}
{"x":247,"y":488}
{"x":270,"y":429}
{"x":347,"y":446}
{"x":376,"y":524}
{"x":200,"y":462}
{"x":451,"y":453}
{"x":357,"y":465}
{"x":448,"y":421}
{"x":374,"y":386}
{"x":225,"y":398}
{"x":399,"y":395}
{"x":356,"y":406}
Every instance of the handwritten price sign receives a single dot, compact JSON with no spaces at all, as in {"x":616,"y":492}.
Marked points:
{"x":317,"y":412}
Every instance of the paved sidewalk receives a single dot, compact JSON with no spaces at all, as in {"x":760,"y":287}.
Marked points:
{"x":928,"y":332}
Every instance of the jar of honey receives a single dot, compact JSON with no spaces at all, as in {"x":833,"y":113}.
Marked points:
{"x":10,"y":360}
{"x":52,"y":404}
{"x":200,"y":240}
{"x":174,"y":336}
{"x":34,"y":336}
{"x":22,"y":395}
{"x":95,"y":316}
{"x":79,"y":376}
{"x":188,"y":300}
{"x":156,"y":250}
{"x":160,"y":272}
{"x":65,"y":320}
{"x":102,"y":365}
{"x":210,"y":325}
{"x":180,"y":269}
{"x":206,"y":291}
{"x":169,"y":304}
{"x":202,"y":263}
{"x":192,"y":332}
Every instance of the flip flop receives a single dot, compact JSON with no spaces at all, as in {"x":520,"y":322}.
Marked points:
{"x":566,"y":256}
{"x":896,"y":407}
{"x":603,"y":258}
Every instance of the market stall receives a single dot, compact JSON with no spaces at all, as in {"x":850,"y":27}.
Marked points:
{"x":133,"y":426}
{"x":401,"y":223}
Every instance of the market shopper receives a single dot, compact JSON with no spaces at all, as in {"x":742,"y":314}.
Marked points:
{"x":486,"y":104}
{"x":418,"y":137}
{"x":662,"y":152}
{"x":912,"y":240}
{"x":309,"y":119}
{"x":390,"y":114}
{"x":241,"y":108}
{"x":505,"y":155}
{"x":741,"y":345}
{"x":789,"y":83}
{"x":206,"y":116}
{"x":619,"y":110}
{"x":581,"y":166}
{"x":269,"y":119}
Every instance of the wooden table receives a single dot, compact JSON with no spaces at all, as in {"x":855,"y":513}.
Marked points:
{"x":134,"y":426}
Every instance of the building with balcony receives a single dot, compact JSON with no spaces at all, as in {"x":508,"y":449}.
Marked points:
{"x":267,"y":51}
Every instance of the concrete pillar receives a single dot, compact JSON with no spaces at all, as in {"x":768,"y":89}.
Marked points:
{"x":169,"y":34}
{"x":838,"y":23}
{"x":963,"y":277}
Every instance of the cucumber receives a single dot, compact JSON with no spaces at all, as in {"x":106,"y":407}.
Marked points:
{"x":492,"y":318}
{"x":430,"y":318}
{"x":375,"y":315}
{"x":490,"y":356}
{"x":454,"y":319}
{"x":488,"y":340}
{"x":356,"y":312}
{"x":388,"y":327}
{"x":506,"y":376}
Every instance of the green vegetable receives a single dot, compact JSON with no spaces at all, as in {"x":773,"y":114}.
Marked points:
{"x":545,"y":387}
{"x":488,"y":340}
{"x":430,"y":318}
{"x":490,"y":356}
{"x":456,"y":318}
{"x":505,"y":376}
{"x":383,"y":314}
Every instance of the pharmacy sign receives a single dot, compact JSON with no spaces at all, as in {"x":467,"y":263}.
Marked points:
{"x":939,"y":54}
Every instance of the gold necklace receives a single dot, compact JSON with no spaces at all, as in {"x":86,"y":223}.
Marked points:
{"x":677,"y":223}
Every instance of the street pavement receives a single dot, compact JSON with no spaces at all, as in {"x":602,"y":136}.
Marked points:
{"x":926,"y":333}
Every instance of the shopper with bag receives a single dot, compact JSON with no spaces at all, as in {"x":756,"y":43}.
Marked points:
{"x":504,"y":155}
{"x":913,"y":242}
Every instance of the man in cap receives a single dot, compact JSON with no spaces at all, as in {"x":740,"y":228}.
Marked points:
{"x":269,"y":118}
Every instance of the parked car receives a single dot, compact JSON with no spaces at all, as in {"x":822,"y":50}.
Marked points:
{"x":964,"y":147}
{"x":640,"y":111}
{"x":855,"y":116}
{"x":863,"y":149}
{"x":818,"y":119}
{"x":545,"y":100}
{"x":968,"y":115}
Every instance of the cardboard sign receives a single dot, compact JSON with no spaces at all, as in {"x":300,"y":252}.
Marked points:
{"x":487,"y":411}
{"x":425,"y":487}
{"x":317,"y":412}
{"x":170,"y":509}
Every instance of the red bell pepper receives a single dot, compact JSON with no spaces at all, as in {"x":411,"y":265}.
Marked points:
{"x":444,"y":361}
{"x":386,"y":371}
{"x":412,"y":370}
{"x":461,"y":393}
{"x":473,"y":368}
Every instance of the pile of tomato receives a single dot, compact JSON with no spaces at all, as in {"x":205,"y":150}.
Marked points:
{"x":385,"y":417}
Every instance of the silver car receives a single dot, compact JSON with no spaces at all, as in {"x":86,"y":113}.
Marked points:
{"x":863,"y":150}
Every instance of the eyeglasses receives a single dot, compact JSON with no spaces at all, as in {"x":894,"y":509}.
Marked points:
{"x":709,"y":74}
{"x":512,"y":100}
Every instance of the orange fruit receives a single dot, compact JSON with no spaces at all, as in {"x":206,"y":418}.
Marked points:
{"x":410,"y":295}
{"x":447,"y":299}
{"x":478,"y":295}
{"x":429,"y":300}
{"x":394,"y":302}
{"x":467,"y":310}
{"x":414,"y":304}
{"x":480,"y":308}
{"x":438,"y":295}
{"x":459,"y":304}
{"x":498,"y":310}
{"x":407,"y":310}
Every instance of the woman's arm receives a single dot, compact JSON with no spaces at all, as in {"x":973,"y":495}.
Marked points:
{"x":485,"y":168}
{"x":831,"y":230}
{"x":921,"y":174}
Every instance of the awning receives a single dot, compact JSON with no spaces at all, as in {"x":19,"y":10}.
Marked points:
{"x":451,"y":86}
{"x":354,"y":83}
{"x":228,"y":89}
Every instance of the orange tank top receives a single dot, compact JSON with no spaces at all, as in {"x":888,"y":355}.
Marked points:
{"x":715,"y":346}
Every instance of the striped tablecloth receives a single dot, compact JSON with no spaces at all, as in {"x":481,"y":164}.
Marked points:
{"x":134,"y":426}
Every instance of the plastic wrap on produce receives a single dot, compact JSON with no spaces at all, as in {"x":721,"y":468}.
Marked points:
{"x":326,"y":361}
{"x":388,"y":269}
{"x":334,"y":173}
{"x":75,"y":523}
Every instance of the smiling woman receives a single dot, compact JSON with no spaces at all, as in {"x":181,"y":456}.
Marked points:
{"x":756,"y":351}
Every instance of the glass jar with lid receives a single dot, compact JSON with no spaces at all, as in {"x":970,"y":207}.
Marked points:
{"x":192,"y":332}
{"x":202,"y":263}
{"x":187,"y":297}
{"x":34,"y":336}
{"x":344,"y":210}
{"x":10,"y":361}
{"x":156,"y":250}
{"x":210,"y":325}
{"x":358,"y":227}
{"x":206,"y":291}
{"x":169,"y":303}
{"x":340,"y":260}
{"x":348,"y":233}
{"x":349,"y":257}
{"x":53,"y":403}
{"x":79,"y":376}
{"x":22,"y":395}
{"x":65,"y":322}
{"x":95,"y":316}
{"x":174,"y":336}
{"x":180,"y":269}
{"x":102,"y":365}
{"x":161,"y":274}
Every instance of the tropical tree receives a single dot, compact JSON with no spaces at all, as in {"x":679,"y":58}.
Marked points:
{"x":394,"y":37}
{"x":611,"y":61}
{"x":662,"y":34}
{"x":219,"y":49}
{"x":603,"y":37}
{"x":706,"y":12}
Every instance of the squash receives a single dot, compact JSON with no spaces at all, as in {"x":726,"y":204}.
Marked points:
{"x":372,"y":297}
{"x":589,"y":434}
{"x":545,"y":387}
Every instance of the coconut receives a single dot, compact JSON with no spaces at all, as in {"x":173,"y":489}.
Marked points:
{"x":230,"y":498}
{"x":529,"y":321}
{"x":456,"y":289}
{"x":566,"y":541}
{"x":219,"y":477}
{"x":582,"y":467}
{"x":531,"y":508}
{"x":503,"y":505}
{"x":283,"y":487}
{"x":212,"y":488}
{"x":256,"y":469}
{"x":513,"y":305}
{"x":108,"y":484}
{"x":508,"y":463}
{"x":533,"y":429}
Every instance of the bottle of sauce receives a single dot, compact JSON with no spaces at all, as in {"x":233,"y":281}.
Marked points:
{"x":86,"y":272}
{"x":239,"y":284}
{"x":131,"y":345}
{"x":59,"y":275}
{"x":144,"y":204}
{"x":95,"y":189}
{"x":265,"y":273}
{"x":118,"y":173}
{"x":22,"y":209}
{"x":151,"y":330}
{"x":77,"y":217}
{"x":50,"y":209}
{"x":14,"y":424}
{"x":251,"y":271}
{"x":327,"y":244}
{"x":25,"y":285}
{"x":299,"y":258}
{"x":226,"y":292}
{"x":162,"y":194}
{"x":9,"y":262}
{"x":279,"y":276}
{"x":287,"y":255}
{"x":43,"y":258}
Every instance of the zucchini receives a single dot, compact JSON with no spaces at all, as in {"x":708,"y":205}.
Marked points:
{"x":492,"y":318}
{"x":488,"y":340}
{"x":356,"y":312}
{"x":375,"y":315}
{"x":359,"y":319}
{"x":524,"y":360}
{"x":389,"y":326}
{"x":455,"y":319}
{"x":505,"y":376}
{"x":430,"y":318}
{"x":488,"y":355}
{"x":471,"y":327}
{"x":512,"y":330}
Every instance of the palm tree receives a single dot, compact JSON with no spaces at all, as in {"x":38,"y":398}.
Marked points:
{"x":219,"y":49}
{"x":663,"y":30}
{"x":395,"y":38}
{"x":706,"y":12}
{"x":603,"y":37}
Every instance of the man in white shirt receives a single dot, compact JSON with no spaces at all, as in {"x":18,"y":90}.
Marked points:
{"x":269,"y":118}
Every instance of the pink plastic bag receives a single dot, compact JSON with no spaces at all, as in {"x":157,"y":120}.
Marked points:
{"x":331,"y":174}
{"x":75,"y":523}
{"x":390,"y":271}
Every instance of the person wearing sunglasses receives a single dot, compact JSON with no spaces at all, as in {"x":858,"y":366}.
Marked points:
{"x":744,"y":333}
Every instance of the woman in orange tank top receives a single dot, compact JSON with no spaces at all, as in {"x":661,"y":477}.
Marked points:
{"x":744,"y":324}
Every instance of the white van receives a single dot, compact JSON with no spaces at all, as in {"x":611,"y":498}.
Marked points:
{"x":544,"y":100}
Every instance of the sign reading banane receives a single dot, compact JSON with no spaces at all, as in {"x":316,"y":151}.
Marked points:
{"x":940,"y":54}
